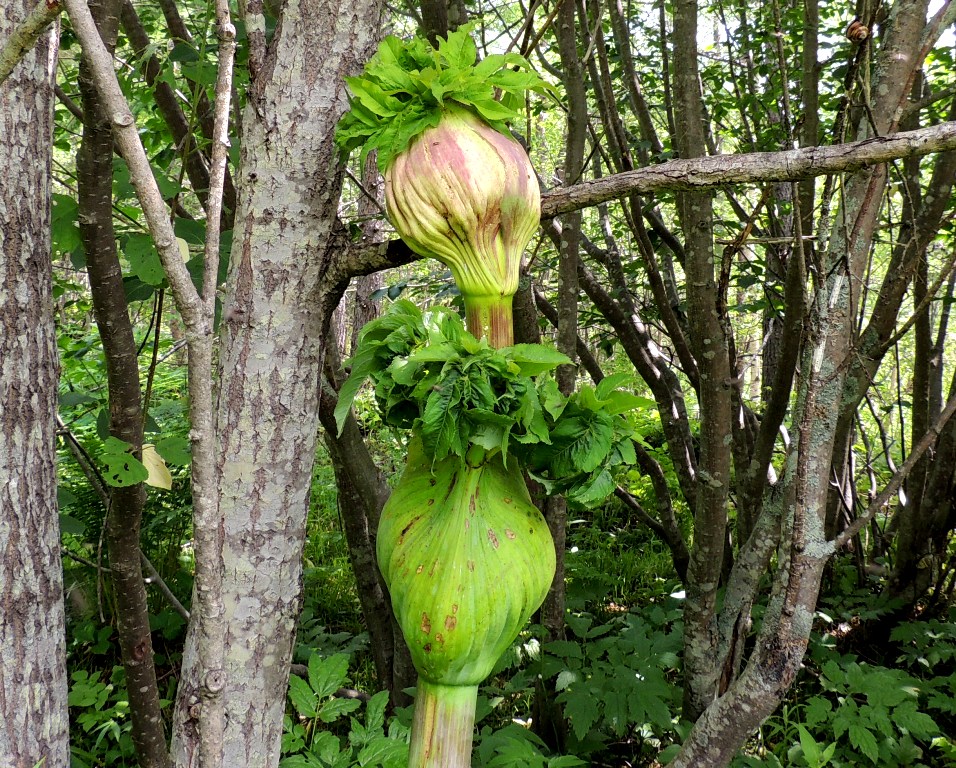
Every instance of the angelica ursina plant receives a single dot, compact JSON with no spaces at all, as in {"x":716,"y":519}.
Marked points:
{"x":465,"y":553}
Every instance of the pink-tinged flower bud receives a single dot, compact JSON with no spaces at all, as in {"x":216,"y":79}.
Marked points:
{"x":466,"y":195}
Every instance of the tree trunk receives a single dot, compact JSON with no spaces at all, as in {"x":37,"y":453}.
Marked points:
{"x":270,"y":364}
{"x":125,"y":508}
{"x":709,"y":344}
{"x":33,"y":681}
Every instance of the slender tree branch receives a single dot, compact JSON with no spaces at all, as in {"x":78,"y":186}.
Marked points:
{"x":153,"y":577}
{"x":755,"y":167}
{"x":199,"y":333}
{"x":67,"y":101}
{"x":220,"y":152}
{"x":25,"y":36}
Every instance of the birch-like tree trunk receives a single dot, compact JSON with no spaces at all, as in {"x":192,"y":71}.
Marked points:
{"x":33,"y":684}
{"x":284,"y":243}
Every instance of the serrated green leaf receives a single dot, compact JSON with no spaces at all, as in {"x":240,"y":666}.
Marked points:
{"x":375,"y":711}
{"x":907,"y":717}
{"x":382,"y":751}
{"x":440,"y":426}
{"x":333,"y":709}
{"x":818,"y":710}
{"x":458,"y":49}
{"x":580,"y":444}
{"x":302,"y":697}
{"x":863,"y":740}
{"x":566,"y":677}
{"x":581,"y":710}
{"x":594,"y":490}
{"x":564,"y":649}
{"x":326,"y":676}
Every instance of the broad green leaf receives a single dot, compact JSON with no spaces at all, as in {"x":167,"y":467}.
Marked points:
{"x":70,"y":399}
{"x":326,"y":676}
{"x":143,"y":259}
{"x":863,"y":739}
{"x":610,"y":383}
{"x":594,"y":491}
{"x":122,"y":469}
{"x":333,"y":709}
{"x":916,"y":723}
{"x":621,"y":402}
{"x":535,"y":359}
{"x":581,"y":709}
{"x":302,"y":697}
{"x":71,"y":525}
{"x":175,"y":450}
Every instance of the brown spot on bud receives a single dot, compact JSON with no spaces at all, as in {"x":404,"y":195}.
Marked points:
{"x":440,"y":638}
{"x":471,"y":566}
{"x":427,"y":648}
{"x":507,"y":499}
{"x":493,"y":538}
{"x":510,"y":534}
{"x":426,"y":625}
{"x":454,"y":607}
{"x":434,"y":568}
{"x":451,"y":622}
{"x":419,"y":569}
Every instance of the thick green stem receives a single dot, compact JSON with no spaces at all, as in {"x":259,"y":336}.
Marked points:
{"x":443,"y":726}
{"x":490,"y":316}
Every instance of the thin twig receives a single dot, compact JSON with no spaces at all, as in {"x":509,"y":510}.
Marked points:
{"x":153,"y":577}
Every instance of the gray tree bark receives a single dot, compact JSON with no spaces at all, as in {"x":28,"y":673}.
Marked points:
{"x":270,"y":365}
{"x":33,"y":684}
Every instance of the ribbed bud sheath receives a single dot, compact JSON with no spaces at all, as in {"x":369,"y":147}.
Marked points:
{"x":466,"y":195}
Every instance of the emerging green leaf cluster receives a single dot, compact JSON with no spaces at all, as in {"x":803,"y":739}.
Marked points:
{"x":408,"y":84}
{"x":432,"y":376}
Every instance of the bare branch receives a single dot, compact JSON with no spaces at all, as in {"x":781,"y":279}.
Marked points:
{"x":153,"y":577}
{"x":755,"y":167}
{"x":25,"y":36}
{"x":220,"y":152}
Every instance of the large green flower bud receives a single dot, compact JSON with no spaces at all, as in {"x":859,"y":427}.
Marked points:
{"x":465,"y":194}
{"x":467,"y":558}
